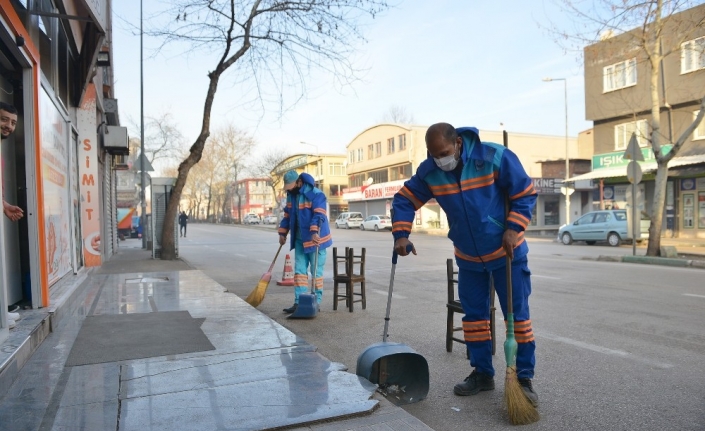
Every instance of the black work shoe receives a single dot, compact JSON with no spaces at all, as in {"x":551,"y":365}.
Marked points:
{"x":529,"y":391}
{"x":474,"y":383}
{"x":291,"y":309}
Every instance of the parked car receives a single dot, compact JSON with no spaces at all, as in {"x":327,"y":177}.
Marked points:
{"x":270,"y":219}
{"x":607,"y":225}
{"x":376,"y":222}
{"x":348,"y":220}
{"x":251,"y":219}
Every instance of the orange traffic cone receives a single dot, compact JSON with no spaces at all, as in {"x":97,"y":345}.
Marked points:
{"x":288,"y":277}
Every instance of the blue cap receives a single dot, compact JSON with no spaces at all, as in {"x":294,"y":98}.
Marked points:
{"x":290,"y":179}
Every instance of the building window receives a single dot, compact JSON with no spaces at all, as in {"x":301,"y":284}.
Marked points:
{"x":351,"y":157}
{"x":619,"y":75}
{"x":693,"y":55}
{"x":400,"y":172}
{"x":550,"y":210}
{"x":699,"y":132}
{"x":370,"y":152}
{"x":402,"y":142}
{"x":390,"y":146}
{"x":379,"y":177}
{"x":336,"y":169}
{"x":378,"y":149}
{"x":359,"y":154}
{"x":623,"y":132}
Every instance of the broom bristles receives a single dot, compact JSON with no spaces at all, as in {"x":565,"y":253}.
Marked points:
{"x":520,"y":409}
{"x":256,"y":297}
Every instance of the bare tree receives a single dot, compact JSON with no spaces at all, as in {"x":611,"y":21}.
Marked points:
{"x":397,"y":115}
{"x":163,"y":140}
{"x":263,"y":167}
{"x":267,"y":42}
{"x":642,"y":27}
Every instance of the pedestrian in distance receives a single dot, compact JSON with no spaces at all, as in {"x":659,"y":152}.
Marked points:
{"x":306,"y":219}
{"x":471,"y":180}
{"x":8,"y":122}
{"x":183,"y":221}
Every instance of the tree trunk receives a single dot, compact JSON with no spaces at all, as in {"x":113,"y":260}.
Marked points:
{"x":654,"y":248}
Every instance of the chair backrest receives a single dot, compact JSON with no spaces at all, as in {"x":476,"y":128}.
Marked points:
{"x":354,"y":260}
{"x":452,"y":281}
{"x":337,"y":260}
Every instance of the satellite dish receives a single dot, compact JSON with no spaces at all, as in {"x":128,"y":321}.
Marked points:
{"x":369,"y":181}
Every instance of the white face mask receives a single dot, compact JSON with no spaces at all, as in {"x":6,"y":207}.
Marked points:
{"x":447,"y":163}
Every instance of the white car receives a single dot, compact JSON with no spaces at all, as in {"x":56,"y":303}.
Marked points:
{"x":270,"y":219}
{"x":376,"y":222}
{"x":348,"y":220}
{"x":251,"y":219}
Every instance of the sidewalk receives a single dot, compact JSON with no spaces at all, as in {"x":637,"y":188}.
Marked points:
{"x":146,"y":344}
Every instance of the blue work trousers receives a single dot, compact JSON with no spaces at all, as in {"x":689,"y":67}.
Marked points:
{"x":303,"y":264}
{"x":474,"y":295}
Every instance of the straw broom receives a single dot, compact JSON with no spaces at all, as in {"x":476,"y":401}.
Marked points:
{"x":520,"y":409}
{"x":256,"y":297}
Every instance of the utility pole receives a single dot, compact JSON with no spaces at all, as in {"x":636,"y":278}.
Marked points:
{"x":143,"y":197}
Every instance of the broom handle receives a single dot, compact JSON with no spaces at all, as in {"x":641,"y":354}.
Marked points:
{"x":314,"y":272}
{"x":510,"y":306}
{"x":275,"y":258}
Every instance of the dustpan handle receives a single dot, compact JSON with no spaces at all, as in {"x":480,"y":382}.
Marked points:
{"x":395,"y":257}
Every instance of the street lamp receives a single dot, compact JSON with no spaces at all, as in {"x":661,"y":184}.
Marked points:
{"x":567,"y":160}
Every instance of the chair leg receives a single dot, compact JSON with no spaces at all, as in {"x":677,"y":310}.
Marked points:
{"x":449,"y":331}
{"x":351,"y":299}
{"x":364,"y":296}
{"x":335,"y":296}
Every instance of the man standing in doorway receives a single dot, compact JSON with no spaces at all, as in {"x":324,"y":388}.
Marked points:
{"x":8,"y":122}
{"x":183,"y":221}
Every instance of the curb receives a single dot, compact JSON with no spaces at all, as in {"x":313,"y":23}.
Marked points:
{"x":651,"y":260}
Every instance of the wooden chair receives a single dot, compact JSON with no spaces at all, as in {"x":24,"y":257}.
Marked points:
{"x":353,"y":273}
{"x":453,"y":306}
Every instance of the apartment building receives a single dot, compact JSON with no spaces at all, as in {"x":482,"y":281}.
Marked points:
{"x":618,"y":102}
{"x":382,"y":157}
{"x":254,"y":196}
{"x":329,"y":171}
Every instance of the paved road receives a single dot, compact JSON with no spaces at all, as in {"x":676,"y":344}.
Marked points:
{"x":619,"y":346}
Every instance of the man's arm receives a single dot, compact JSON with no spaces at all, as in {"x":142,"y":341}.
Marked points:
{"x":522,"y":198}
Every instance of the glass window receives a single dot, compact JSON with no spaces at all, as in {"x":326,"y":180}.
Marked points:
{"x":623,"y":133}
{"x":336,"y":169}
{"x":693,"y":55}
{"x":402,"y":142}
{"x":601,"y":218}
{"x":699,"y":132}
{"x":400,"y":172}
{"x":378,"y":149}
{"x":619,"y":75}
{"x":370,"y":152}
{"x":586,"y":219}
{"x":390,"y":146}
{"x":550,"y":210}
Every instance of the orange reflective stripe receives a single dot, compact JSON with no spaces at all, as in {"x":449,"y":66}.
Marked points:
{"x":475,"y":183}
{"x":477,"y":331}
{"x":404,"y":191}
{"x":519,"y":219}
{"x":321,"y":241}
{"x":283,"y":231}
{"x":320,"y":211}
{"x":490,"y":256}
{"x":445,"y":189}
{"x":527,"y":191}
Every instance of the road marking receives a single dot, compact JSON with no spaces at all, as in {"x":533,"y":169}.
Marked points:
{"x":386,"y":293}
{"x":695,"y":296}
{"x":604,"y":350}
{"x":262,"y":260}
{"x":239,"y":255}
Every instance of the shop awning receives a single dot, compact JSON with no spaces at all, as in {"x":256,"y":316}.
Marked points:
{"x":621,"y":171}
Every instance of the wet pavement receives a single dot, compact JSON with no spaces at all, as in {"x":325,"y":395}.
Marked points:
{"x":260,"y":375}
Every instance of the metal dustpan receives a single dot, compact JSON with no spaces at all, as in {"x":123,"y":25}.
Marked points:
{"x":400,"y":372}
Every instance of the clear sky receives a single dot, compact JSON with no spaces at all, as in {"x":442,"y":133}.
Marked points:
{"x":466,"y":62}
